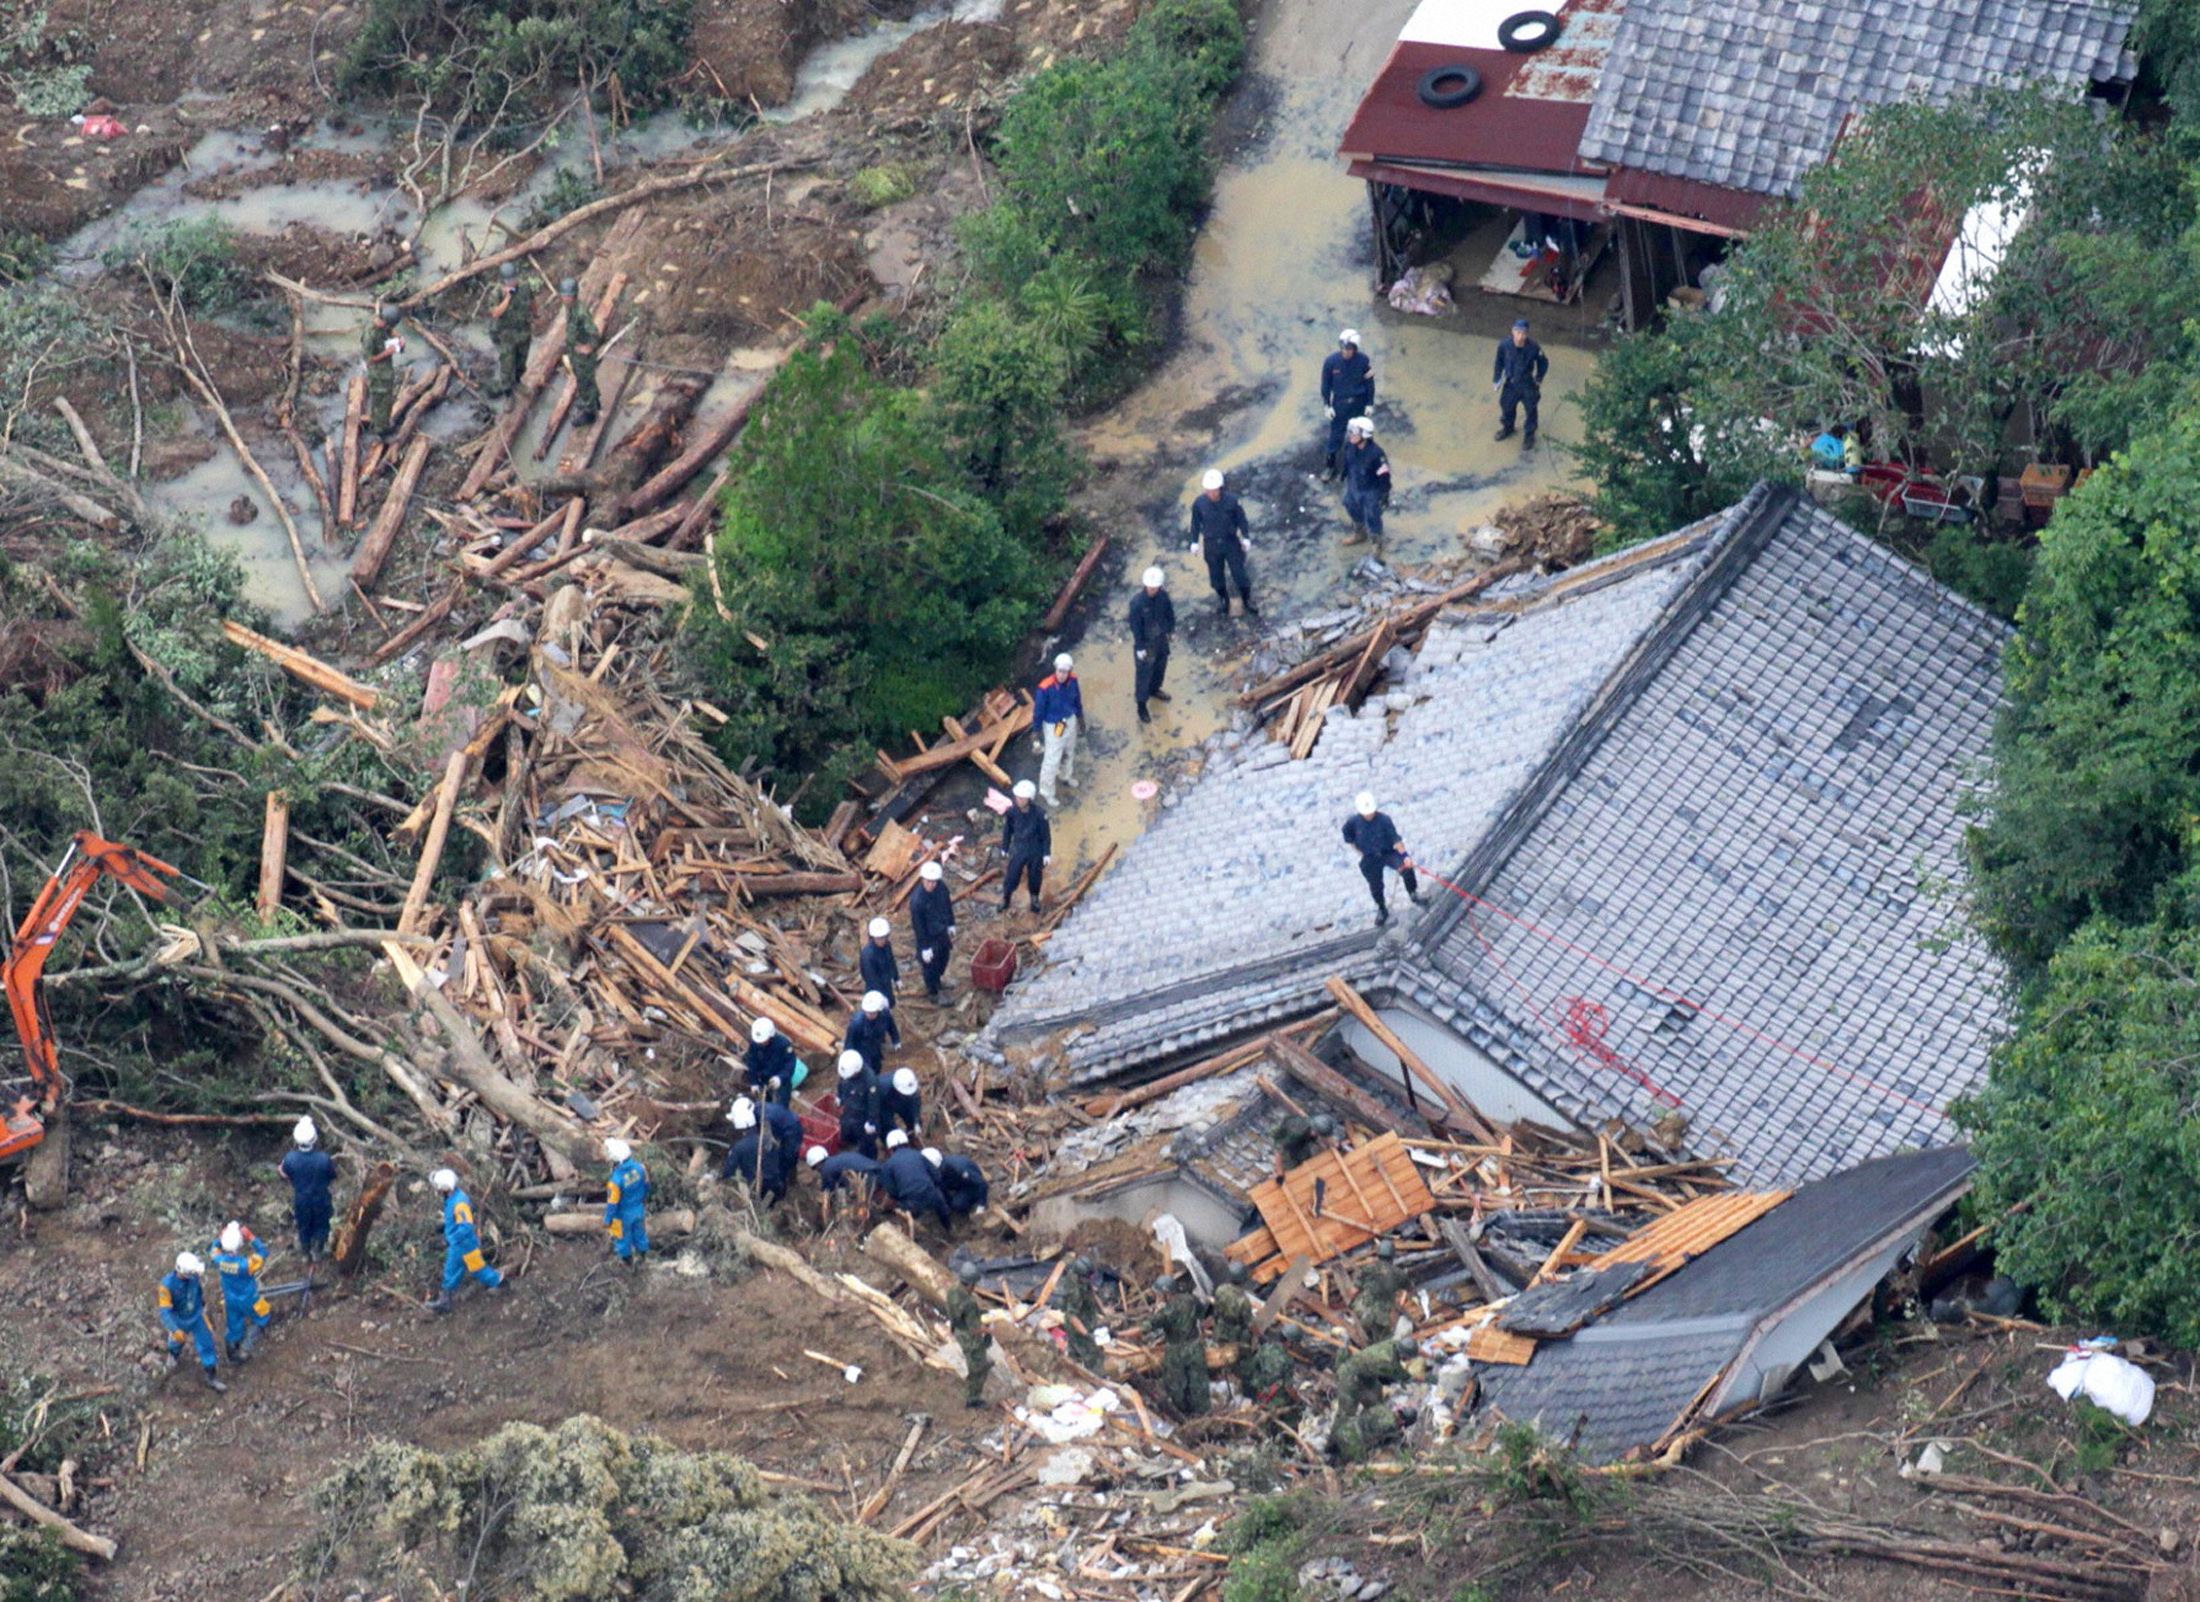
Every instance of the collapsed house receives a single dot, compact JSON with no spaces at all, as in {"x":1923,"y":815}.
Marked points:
{"x":1668,"y":126}
{"x":1697,"y":812}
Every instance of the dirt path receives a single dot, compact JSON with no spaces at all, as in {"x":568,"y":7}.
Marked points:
{"x":1283,"y":261}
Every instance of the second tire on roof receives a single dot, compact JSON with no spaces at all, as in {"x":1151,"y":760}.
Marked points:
{"x":1525,"y":32}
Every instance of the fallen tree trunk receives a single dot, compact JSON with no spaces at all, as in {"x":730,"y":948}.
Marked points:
{"x":890,"y":1248}
{"x":300,"y":665}
{"x":674,"y":565}
{"x":349,"y":1253}
{"x":75,"y":1539}
{"x":679,"y":1221}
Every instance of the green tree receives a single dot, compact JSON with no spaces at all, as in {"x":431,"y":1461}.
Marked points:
{"x":2087,"y":1116}
{"x":2095,"y":792}
{"x":868,"y":588}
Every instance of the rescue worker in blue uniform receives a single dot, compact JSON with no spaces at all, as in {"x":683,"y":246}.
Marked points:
{"x":960,"y":1180}
{"x":932,"y":924}
{"x":1517,"y":376}
{"x":1027,"y":841}
{"x":1366,"y":482}
{"x":1348,"y":391}
{"x":876,"y":964}
{"x":182,"y":1301}
{"x":1057,"y":718}
{"x":846,"y":1181}
{"x":311,"y":1172}
{"x":1221,"y":534}
{"x":910,"y":1183}
{"x":858,"y":1097}
{"x":626,"y":1203}
{"x":870,"y":1028}
{"x":1376,"y":838}
{"x":1152,"y":619}
{"x":769,"y":1063}
{"x":238,"y":1259}
{"x":462,"y":1256}
{"x":763,"y":1158}
{"x":901,"y":1103}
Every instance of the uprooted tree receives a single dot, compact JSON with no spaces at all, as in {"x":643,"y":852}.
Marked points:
{"x":582,"y":1512}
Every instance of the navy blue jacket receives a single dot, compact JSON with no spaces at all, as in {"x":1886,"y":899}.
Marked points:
{"x":310,"y":1174}
{"x":1376,"y":837}
{"x":741,"y":1161}
{"x":907,"y":1178}
{"x":962,"y":1182}
{"x":1519,"y":365}
{"x":1026,"y":835}
{"x":895,"y":1108}
{"x":1366,"y":468}
{"x":836,"y":1171}
{"x":1058,"y":697}
{"x":1218,"y":522}
{"x":774,"y":1059}
{"x":869,"y":1033}
{"x":786,"y":1131}
{"x":1153,"y":620}
{"x":1348,"y":382}
{"x":879,"y":969}
{"x":932,"y":915}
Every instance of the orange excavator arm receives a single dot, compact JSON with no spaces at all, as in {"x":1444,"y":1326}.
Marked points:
{"x":89,"y":859}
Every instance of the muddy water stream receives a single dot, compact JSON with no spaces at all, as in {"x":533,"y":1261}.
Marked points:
{"x":1283,"y":262}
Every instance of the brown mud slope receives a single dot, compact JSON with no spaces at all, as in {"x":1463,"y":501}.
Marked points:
{"x":748,"y":50}
{"x":223,"y":1499}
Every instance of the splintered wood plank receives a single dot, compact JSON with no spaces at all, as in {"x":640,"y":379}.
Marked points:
{"x":1287,"y":1205}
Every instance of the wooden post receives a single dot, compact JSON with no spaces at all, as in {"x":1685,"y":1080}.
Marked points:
{"x":274,"y":853}
{"x":1350,"y":1000}
{"x":349,"y":1253}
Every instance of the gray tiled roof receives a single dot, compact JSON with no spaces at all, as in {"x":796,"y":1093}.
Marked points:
{"x":1757,"y":834}
{"x":1750,"y":94}
{"x":1732,"y":771}
{"x":1237,"y":903}
{"x":1625,"y":1379}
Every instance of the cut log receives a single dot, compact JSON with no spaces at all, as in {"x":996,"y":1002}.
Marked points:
{"x":374,"y":550}
{"x":349,"y":1253}
{"x":274,"y":853}
{"x":75,"y":1539}
{"x":889,"y":1247}
{"x":431,"y":850}
{"x":678,"y":1221}
{"x":674,"y":565}
{"x":347,"y":471}
{"x":46,"y":1174}
{"x":798,"y":884}
{"x":415,"y":631}
{"x":308,"y":669}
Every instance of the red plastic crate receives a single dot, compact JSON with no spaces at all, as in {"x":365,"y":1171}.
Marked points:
{"x":994,"y":965}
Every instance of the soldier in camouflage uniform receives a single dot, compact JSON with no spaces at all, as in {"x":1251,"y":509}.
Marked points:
{"x":583,"y":340}
{"x":1233,"y":1311}
{"x":963,"y":1317}
{"x":512,"y":326}
{"x":1080,"y":1313}
{"x":1184,"y":1352}
{"x":1376,"y":1305}
{"x":1363,"y":1421}
{"x":1297,"y":1138}
{"x":374,"y":345}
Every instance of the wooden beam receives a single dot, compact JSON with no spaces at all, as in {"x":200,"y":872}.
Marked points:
{"x":374,"y":550}
{"x":1077,"y":581}
{"x":431,"y":850}
{"x":347,"y":467}
{"x":301,"y":666}
{"x":1461,"y":1114}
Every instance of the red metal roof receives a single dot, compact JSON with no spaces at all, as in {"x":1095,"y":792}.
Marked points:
{"x":1726,"y":210}
{"x":1494,"y":129}
{"x":1522,"y":192}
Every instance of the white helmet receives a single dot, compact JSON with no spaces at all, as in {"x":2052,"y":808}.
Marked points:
{"x":895,"y":1138}
{"x":905,"y":1081}
{"x":1350,"y":336}
{"x":617,"y":1150}
{"x":232,"y":1236}
{"x":188,"y":1265}
{"x":1025,"y":789}
{"x":762,"y":1030}
{"x":743,"y":1115}
{"x":874,"y":1002}
{"x":1364,"y":803}
{"x":880,"y":928}
{"x":1153,"y":578}
{"x":931,"y":873}
{"x":814,"y":1156}
{"x":851,"y":1064}
{"x":1062,"y":663}
{"x":932,"y":1155}
{"x":1359,"y":425}
{"x":444,"y":1179}
{"x":1212,"y":479}
{"x":303,"y":1132}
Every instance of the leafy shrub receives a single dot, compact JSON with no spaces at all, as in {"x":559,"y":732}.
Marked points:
{"x":51,"y":91}
{"x":883,"y":185}
{"x":35,"y":1567}
{"x":481,"y":59}
{"x":193,"y":258}
{"x":23,"y":256}
{"x":570,"y":189}
{"x":1992,"y":572}
{"x":39,"y":65}
{"x":585,"y":1511}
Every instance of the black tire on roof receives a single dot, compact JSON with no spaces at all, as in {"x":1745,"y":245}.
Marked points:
{"x":1526,"y":32}
{"x":1453,"y":84}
